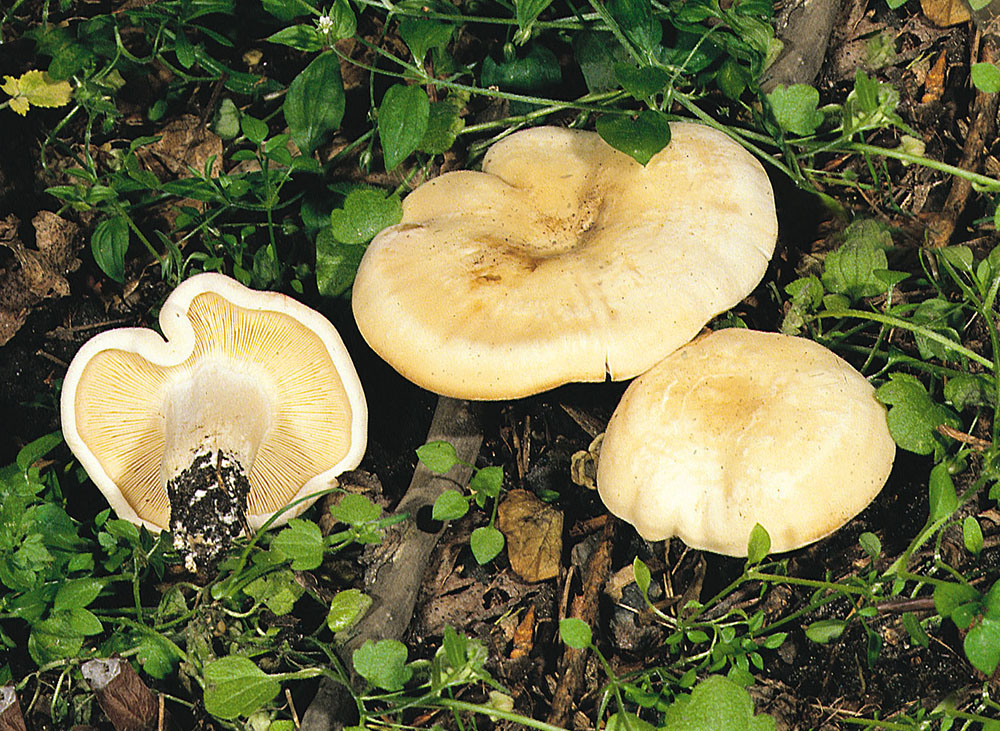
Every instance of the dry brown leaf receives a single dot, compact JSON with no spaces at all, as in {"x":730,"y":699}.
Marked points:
{"x":943,"y":13}
{"x":40,"y":273}
{"x":524,"y":635}
{"x":185,"y":143}
{"x":934,"y":82}
{"x":534,"y":535}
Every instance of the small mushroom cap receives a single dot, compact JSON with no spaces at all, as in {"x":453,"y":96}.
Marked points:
{"x":564,"y":260}
{"x":292,"y":401}
{"x":743,"y":427}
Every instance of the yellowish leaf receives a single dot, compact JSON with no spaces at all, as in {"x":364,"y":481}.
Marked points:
{"x":945,"y":12}
{"x":36,"y":88}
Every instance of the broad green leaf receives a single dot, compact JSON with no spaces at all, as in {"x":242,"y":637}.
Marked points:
{"x":156,"y":656}
{"x":795,"y":108}
{"x":254,"y":129}
{"x":444,"y":122}
{"x":227,"y":119}
{"x":715,"y":704}
{"x":941,"y":489}
{"x":450,"y":505}
{"x":53,"y":639}
{"x":340,"y":23}
{"x":487,"y":481}
{"x":918,"y":635}
{"x":77,"y":593}
{"x":635,"y":19}
{"x":366,"y":211}
{"x":966,"y":389}
{"x":36,"y":449}
{"x":825,"y":630}
{"x":346,"y":608}
{"x":597,"y":55}
{"x":948,"y":597}
{"x":402,"y":122}
{"x":537,"y":69}
{"x":758,"y":545}
{"x":314,"y":104}
{"x":972,"y":535}
{"x":850,"y":269}
{"x":237,"y":687}
{"x":302,"y":542}
{"x":422,"y":34}
{"x":355,"y":510}
{"x":109,"y":244}
{"x":627,"y":722}
{"x":982,"y":645}
{"x":486,"y":543}
{"x":438,"y":456}
{"x":81,"y":620}
{"x":336,"y":263}
{"x":575,"y":633}
{"x":382,"y":664}
{"x":284,"y":10}
{"x":985,"y":77}
{"x":527,"y":12}
{"x":641,"y":83}
{"x":639,"y":138}
{"x":913,"y":415}
{"x":277,"y":590}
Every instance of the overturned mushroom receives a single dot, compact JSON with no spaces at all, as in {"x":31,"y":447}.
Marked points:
{"x":564,"y":260}
{"x":742,"y":427}
{"x":249,"y":403}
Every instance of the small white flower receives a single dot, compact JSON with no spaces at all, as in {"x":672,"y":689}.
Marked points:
{"x":324,"y":24}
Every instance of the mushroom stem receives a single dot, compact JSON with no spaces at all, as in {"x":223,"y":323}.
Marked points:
{"x":214,"y":422}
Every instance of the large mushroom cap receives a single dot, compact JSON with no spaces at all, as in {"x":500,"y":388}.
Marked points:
{"x":564,"y":260}
{"x":258,"y":376}
{"x":744,"y":427}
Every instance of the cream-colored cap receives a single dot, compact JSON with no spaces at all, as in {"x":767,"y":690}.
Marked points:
{"x":743,"y":427}
{"x":256,"y":374}
{"x":564,"y":260}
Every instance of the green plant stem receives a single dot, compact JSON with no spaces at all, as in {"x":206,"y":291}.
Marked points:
{"x":987,"y":183}
{"x":907,"y":325}
{"x":754,"y":575}
{"x":494,"y":713}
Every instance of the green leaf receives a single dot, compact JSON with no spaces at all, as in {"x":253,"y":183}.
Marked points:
{"x":342,"y":21}
{"x":450,"y":505}
{"x":627,"y":722}
{"x":918,"y":635}
{"x":825,"y":630}
{"x":850,"y":269}
{"x":77,"y":593}
{"x":366,"y":211}
{"x":402,"y":122}
{"x":314,"y":104}
{"x":438,"y":456}
{"x":486,"y":543}
{"x":982,"y":645}
{"x":487,"y":481}
{"x":306,"y":38}
{"x":421,"y":35}
{"x":597,"y":55}
{"x":575,"y":633}
{"x":758,"y":545}
{"x":156,"y":656}
{"x":639,"y":138}
{"x":795,"y":108}
{"x":382,"y":664}
{"x":283,"y":10}
{"x":444,"y":123}
{"x":355,"y":510}
{"x":643,"y":578}
{"x":641,"y":83}
{"x":236,"y":687}
{"x":109,"y":244}
{"x":972,"y":535}
{"x":346,"y":608}
{"x":278,"y":590}
{"x":227,"y":119}
{"x":53,"y":639}
{"x":537,"y":69}
{"x":302,"y":542}
{"x":966,"y":389}
{"x":36,"y":449}
{"x":715,"y":704}
{"x":526,"y":13}
{"x":336,"y":263}
{"x":871,"y":544}
{"x":254,"y":129}
{"x":913,"y":415}
{"x":635,"y":19}
{"x":941,"y":488}
{"x":81,"y":620}
{"x":985,"y":77}
{"x":948,"y":597}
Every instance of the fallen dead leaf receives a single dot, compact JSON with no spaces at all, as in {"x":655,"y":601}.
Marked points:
{"x":943,"y":13}
{"x":39,"y":273}
{"x":534,"y":535}
{"x":934,"y":81}
{"x":524,"y":635}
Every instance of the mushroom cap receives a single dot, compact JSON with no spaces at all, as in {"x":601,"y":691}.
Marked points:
{"x":564,"y":260}
{"x":115,"y":405}
{"x":742,"y":427}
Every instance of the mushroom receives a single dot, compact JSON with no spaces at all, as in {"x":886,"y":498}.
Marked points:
{"x":743,"y":427}
{"x":564,"y":260}
{"x":249,"y":403}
